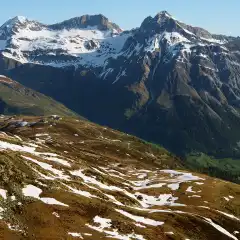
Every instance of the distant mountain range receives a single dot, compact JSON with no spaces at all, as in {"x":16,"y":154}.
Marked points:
{"x":165,"y":81}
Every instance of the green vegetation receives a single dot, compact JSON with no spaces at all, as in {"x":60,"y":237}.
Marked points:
{"x":227,"y":168}
{"x":16,"y":99}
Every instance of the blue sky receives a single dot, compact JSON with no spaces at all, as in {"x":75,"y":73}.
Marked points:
{"x":217,"y":16}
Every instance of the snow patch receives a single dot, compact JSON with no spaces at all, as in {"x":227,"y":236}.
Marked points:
{"x":33,"y":191}
{"x":3,"y":193}
{"x":77,"y":235}
{"x":219,"y":228}
{"x":56,"y":215}
{"x":103,"y":222}
{"x":173,"y":186}
{"x":161,"y":200}
{"x":139,"y":219}
{"x":52,"y":201}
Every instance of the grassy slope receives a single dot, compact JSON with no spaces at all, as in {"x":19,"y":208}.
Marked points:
{"x":16,"y":99}
{"x":91,"y":148}
{"x":227,"y":168}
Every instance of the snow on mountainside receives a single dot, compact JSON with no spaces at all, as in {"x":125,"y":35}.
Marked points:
{"x":60,"y":44}
{"x":93,"y":40}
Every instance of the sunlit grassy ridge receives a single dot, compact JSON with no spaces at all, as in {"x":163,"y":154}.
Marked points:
{"x":66,"y":178}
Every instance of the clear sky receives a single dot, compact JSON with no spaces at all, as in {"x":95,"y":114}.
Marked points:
{"x":217,"y":16}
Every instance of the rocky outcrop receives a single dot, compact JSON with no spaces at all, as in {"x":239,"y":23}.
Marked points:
{"x":101,"y":22}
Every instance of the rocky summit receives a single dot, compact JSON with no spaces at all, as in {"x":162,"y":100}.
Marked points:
{"x":65,"y":178}
{"x":166,"y":81}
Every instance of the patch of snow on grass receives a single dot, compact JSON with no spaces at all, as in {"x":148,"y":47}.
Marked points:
{"x":42,"y":134}
{"x":181,"y":176}
{"x":199,"y":183}
{"x":103,"y":186}
{"x":161,"y":200}
{"x":228,"y":215}
{"x":52,"y":201}
{"x":194,"y":196}
{"x":58,"y":174}
{"x":3,"y":193}
{"x":141,"y":176}
{"x":173,"y":186}
{"x":87,"y":179}
{"x":31,"y":191}
{"x":54,"y":159}
{"x":204,"y":207}
{"x":32,"y":150}
{"x":139,"y":219}
{"x":14,"y":228}
{"x":56,"y":215}
{"x":16,"y":148}
{"x":103,"y":222}
{"x":114,"y":200}
{"x":219,"y":228}
{"x":145,"y":184}
{"x":189,"y":189}
{"x":80,"y":192}
{"x":78,"y":235}
{"x":13,"y":198}
{"x":139,"y":225}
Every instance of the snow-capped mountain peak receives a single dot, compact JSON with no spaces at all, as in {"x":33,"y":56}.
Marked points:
{"x":93,"y":40}
{"x":86,"y":40}
{"x":13,"y":21}
{"x":163,"y":14}
{"x":20,"y":19}
{"x":15,"y":25}
{"x":163,"y":21}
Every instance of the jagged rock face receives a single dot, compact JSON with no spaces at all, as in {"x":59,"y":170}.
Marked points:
{"x":166,"y":81}
{"x":101,"y":22}
{"x":90,"y":45}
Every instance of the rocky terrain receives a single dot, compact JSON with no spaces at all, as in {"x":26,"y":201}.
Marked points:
{"x":66,"y":178}
{"x":165,"y":81}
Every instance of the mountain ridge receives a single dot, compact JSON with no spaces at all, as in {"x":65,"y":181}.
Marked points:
{"x":17,"y":99}
{"x":167,"y":82}
{"x":99,"y":22}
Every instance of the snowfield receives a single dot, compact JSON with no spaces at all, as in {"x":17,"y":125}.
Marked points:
{"x":88,"y":46}
{"x":29,"y":41}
